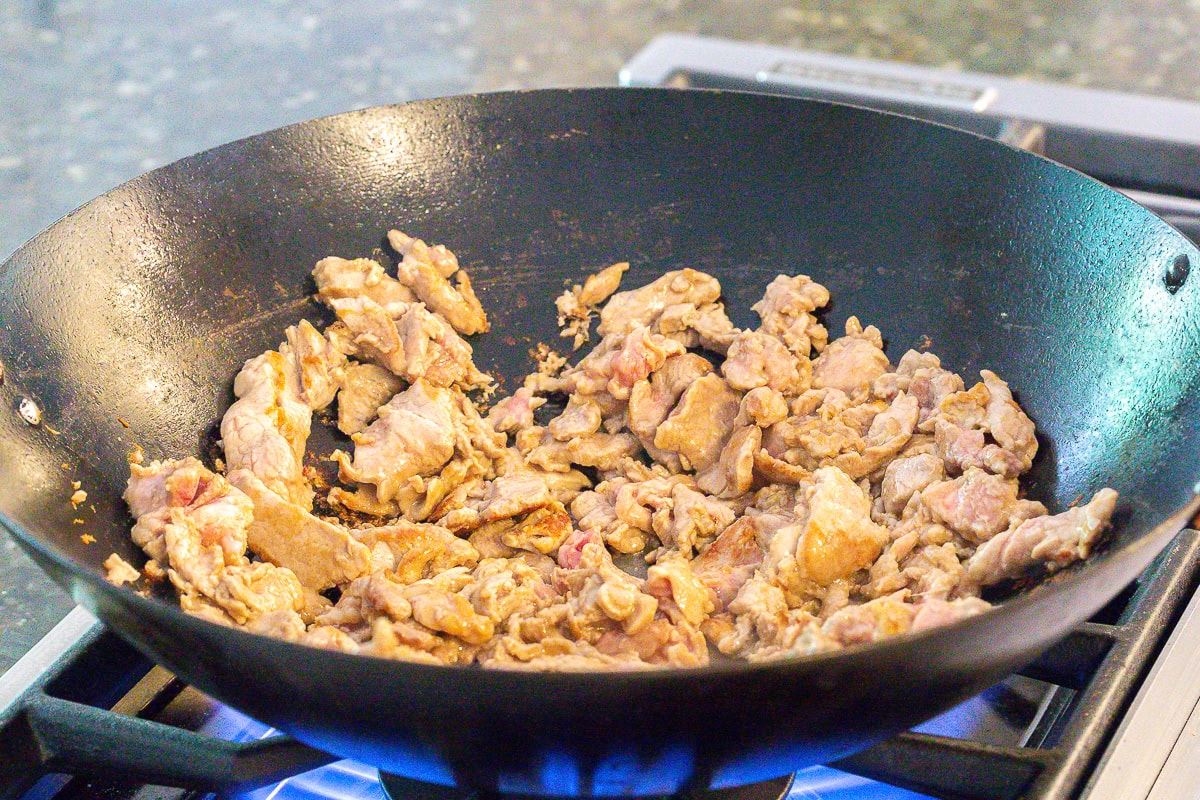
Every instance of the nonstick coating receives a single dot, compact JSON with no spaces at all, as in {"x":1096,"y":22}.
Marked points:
{"x":138,"y":309}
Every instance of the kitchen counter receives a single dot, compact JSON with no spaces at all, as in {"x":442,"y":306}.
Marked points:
{"x":94,"y":93}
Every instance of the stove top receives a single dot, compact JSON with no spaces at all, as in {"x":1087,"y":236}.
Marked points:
{"x":1111,"y":712}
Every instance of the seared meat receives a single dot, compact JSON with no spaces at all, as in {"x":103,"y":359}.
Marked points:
{"x":700,"y":423}
{"x":786,"y":311}
{"x":315,"y":363}
{"x":417,"y":344}
{"x":904,"y":477}
{"x":852,"y":363}
{"x":978,"y":505}
{"x":801,"y":496}
{"x":1048,"y":542}
{"x":339,"y":278}
{"x":426,"y":271}
{"x":642,"y":307}
{"x":757,"y":359}
{"x":266,"y":429}
{"x":219,"y":511}
{"x":363,"y":389}
{"x":576,"y":306}
{"x":414,"y":435}
{"x":320,"y":553}
{"x":726,"y":564}
{"x":515,"y":412}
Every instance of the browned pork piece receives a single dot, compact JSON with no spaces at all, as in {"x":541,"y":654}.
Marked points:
{"x":363,"y":389}
{"x":192,"y":523}
{"x":320,"y":553}
{"x":787,"y":494}
{"x":576,"y":305}
{"x":266,"y":430}
{"x":426,"y":271}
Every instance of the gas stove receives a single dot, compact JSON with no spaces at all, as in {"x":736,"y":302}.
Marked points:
{"x":1110,"y":712}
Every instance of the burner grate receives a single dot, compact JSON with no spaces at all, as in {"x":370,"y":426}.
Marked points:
{"x":1094,"y":671}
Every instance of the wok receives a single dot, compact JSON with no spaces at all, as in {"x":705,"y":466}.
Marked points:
{"x":138,"y":309}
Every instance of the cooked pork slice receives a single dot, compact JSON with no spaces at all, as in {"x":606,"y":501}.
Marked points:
{"x":966,"y":409}
{"x":870,"y":621}
{"x":732,"y":474}
{"x":889,"y":432}
{"x":1007,"y":423}
{"x":700,"y":423}
{"x":417,"y":344}
{"x":282,"y":623}
{"x":422,"y":269}
{"x":514,"y":512}
{"x":813,"y":441}
{"x":366,"y":330}
{"x":853,"y":362}
{"x":835,"y":539}
{"x":507,"y":589}
{"x":320,"y":553}
{"x":642,"y":307}
{"x":759,"y":359}
{"x":772,"y":470}
{"x":594,"y":291}
{"x":219,"y":511}
{"x":428,"y":620}
{"x":695,"y":519}
{"x":418,"y":550}
{"x":363,"y":389}
{"x":726,"y":564}
{"x":340,"y":278}
{"x":414,"y":435}
{"x":507,"y":496}
{"x":786,"y":310}
{"x":1048,"y":542}
{"x":265,"y":431}
{"x":620,"y":512}
{"x":315,"y":363}
{"x":934,"y":613}
{"x":928,"y":382}
{"x":621,"y":360}
{"x":762,"y":407}
{"x":765,"y":628}
{"x":440,"y":609}
{"x":707,"y":326}
{"x":241,"y":590}
{"x":581,"y":417}
{"x":119,"y":572}
{"x":651,"y":399}
{"x":978,"y":505}
{"x":515,"y":412}
{"x":576,"y":305}
{"x":672,"y":580}
{"x":600,"y":450}
{"x":906,"y":476}
{"x":611,"y":610}
{"x":363,"y":499}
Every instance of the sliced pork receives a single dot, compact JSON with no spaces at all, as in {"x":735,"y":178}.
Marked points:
{"x":784,"y":494}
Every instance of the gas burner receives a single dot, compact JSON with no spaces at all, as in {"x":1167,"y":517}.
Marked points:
{"x":398,"y":788}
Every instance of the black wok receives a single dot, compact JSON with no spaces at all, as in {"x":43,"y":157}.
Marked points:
{"x":139,"y":308}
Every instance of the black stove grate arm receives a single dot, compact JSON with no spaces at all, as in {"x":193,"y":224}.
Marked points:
{"x":79,"y":739}
{"x":1073,"y":661}
{"x":948,"y":768}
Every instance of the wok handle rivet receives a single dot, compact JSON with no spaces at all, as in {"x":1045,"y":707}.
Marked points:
{"x":1177,"y":274}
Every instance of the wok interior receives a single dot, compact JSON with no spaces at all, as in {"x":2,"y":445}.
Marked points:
{"x":127,"y":320}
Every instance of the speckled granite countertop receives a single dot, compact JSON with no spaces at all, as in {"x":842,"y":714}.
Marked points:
{"x":94,"y":93}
